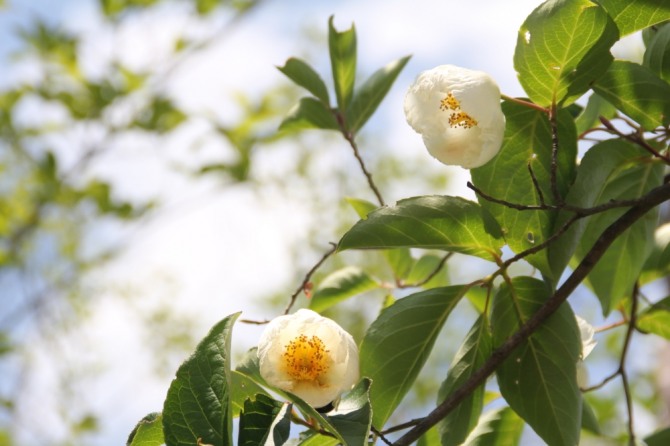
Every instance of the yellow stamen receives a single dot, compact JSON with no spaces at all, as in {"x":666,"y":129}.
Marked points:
{"x":449,"y":103}
{"x":462,"y":119}
{"x":305,"y":358}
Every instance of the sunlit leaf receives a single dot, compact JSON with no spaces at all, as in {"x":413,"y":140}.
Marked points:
{"x":474,"y":351}
{"x":562,"y":47}
{"x":430,"y":438}
{"x":353,"y":415}
{"x":657,"y":54}
{"x":398,"y":343}
{"x":304,"y":75}
{"x":264,"y":421}
{"x":500,"y":427}
{"x":197,"y":407}
{"x":528,"y":140}
{"x":340,"y":285}
{"x":539,"y":379}
{"x":656,"y":319}
{"x":367,"y":98}
{"x":242,"y":388}
{"x":636,"y":91}
{"x":595,"y":108}
{"x":342,"y":47}
{"x":148,"y":432}
{"x":437,"y":222}
{"x":634,"y":15}
{"x":309,"y":113}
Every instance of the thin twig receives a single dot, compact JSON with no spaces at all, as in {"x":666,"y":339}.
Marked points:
{"x":380,"y":435}
{"x":308,"y":276}
{"x":524,"y":103}
{"x":536,"y":185}
{"x":635,"y":138}
{"x":645,"y":203}
{"x":433,"y":273}
{"x":622,"y":365}
{"x":402,"y":426}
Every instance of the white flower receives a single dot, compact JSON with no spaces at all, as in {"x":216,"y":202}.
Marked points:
{"x":308,"y":355}
{"x":457,"y":112}
{"x":586,"y":332}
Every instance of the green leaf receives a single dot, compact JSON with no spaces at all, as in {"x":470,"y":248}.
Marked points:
{"x":562,"y":47}
{"x":636,"y":91}
{"x":310,"y":412}
{"x":500,"y":427}
{"x":309,"y":113}
{"x":613,"y":277}
{"x":316,"y":439}
{"x":362,"y":207}
{"x":264,"y":421}
{"x":372,"y":92}
{"x":634,"y":15}
{"x":148,"y":432}
{"x":342,"y":46}
{"x":659,"y":438}
{"x":242,"y":388}
{"x":436,"y":222}
{"x":430,"y":438}
{"x":528,"y":140}
{"x":475,"y":350}
{"x":658,"y":262}
{"x":601,"y":165}
{"x":539,"y":379}
{"x":589,"y":418}
{"x":423,"y":268}
{"x":398,"y":343}
{"x":656,"y":319}
{"x":340,"y":285}
{"x":197,"y":407}
{"x":353,"y":415}
{"x":305,"y":76}
{"x":657,"y":54}
{"x":590,"y":116}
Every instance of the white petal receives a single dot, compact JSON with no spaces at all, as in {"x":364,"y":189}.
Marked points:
{"x":587,"y":333}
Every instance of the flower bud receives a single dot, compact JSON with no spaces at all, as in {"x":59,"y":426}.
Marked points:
{"x":308,"y":355}
{"x":457,"y":112}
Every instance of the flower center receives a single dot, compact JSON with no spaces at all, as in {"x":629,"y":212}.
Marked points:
{"x":305,"y":358}
{"x":457,"y":117}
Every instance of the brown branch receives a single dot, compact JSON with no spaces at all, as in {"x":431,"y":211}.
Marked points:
{"x":308,"y":276}
{"x":635,"y":138}
{"x":433,"y":273}
{"x":646,"y":203}
{"x":524,"y":103}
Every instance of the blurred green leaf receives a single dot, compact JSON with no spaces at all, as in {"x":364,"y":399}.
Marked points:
{"x":539,"y":379}
{"x":353,"y":415}
{"x":634,"y":15}
{"x":264,"y":421}
{"x":500,"y":427}
{"x":367,"y":98}
{"x":159,"y":116}
{"x":472,"y":354}
{"x":148,"y":432}
{"x":657,"y":54}
{"x":113,"y":8}
{"x":596,"y":107}
{"x":528,"y":140}
{"x":309,"y":113}
{"x":656,"y":319}
{"x":589,"y":418}
{"x":436,"y":222}
{"x":423,"y":268}
{"x":659,"y":438}
{"x":562,"y":47}
{"x":658,"y":262}
{"x":430,"y":438}
{"x":340,"y":285}
{"x":205,"y":7}
{"x":305,"y":76}
{"x":197,"y":408}
{"x":342,"y":46}
{"x":398,"y":343}
{"x":636,"y":91}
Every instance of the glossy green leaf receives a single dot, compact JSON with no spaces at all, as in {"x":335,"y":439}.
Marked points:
{"x":656,"y":319}
{"x":590,"y":116}
{"x":342,"y":46}
{"x":634,"y":15}
{"x":426,"y":267}
{"x":437,"y":222}
{"x":398,"y":343}
{"x":506,"y":177}
{"x":264,"y":421}
{"x":613,"y":277}
{"x":309,"y":113}
{"x":353,"y":415}
{"x":304,"y":75}
{"x":341,"y":285}
{"x":148,"y":432}
{"x":657,"y":54}
{"x":562,"y":47}
{"x":602,"y":164}
{"x":197,"y":407}
{"x":367,"y":98}
{"x":659,"y":438}
{"x":472,"y":354}
{"x":636,"y":91}
{"x":539,"y":379}
{"x":242,"y":388}
{"x":500,"y":427}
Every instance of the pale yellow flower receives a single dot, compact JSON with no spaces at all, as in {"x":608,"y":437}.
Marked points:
{"x":310,"y":356}
{"x":457,"y":112}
